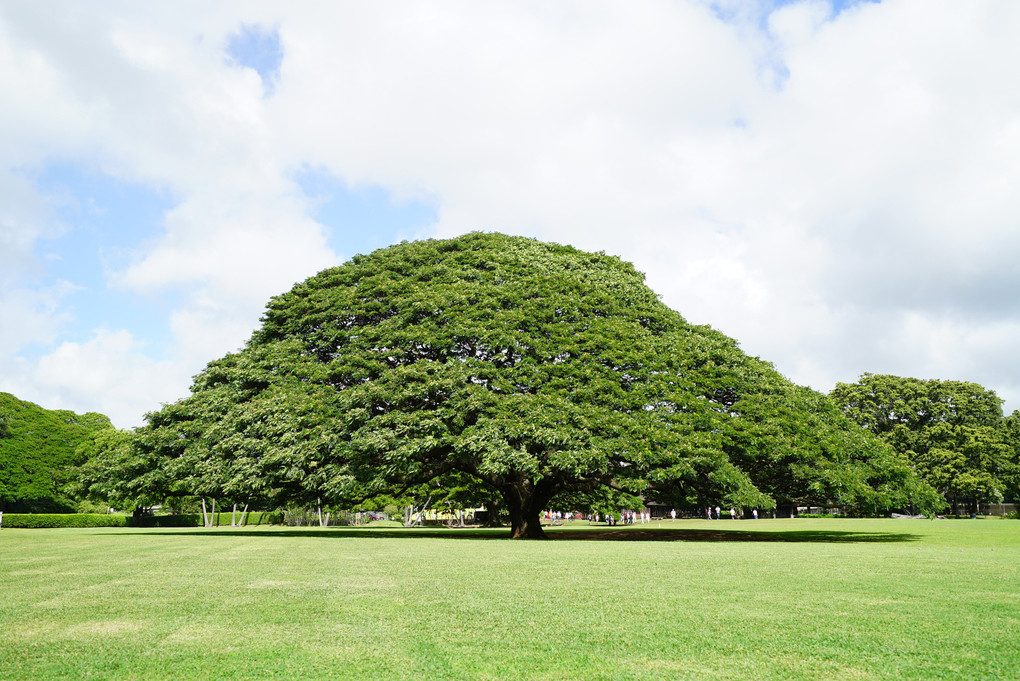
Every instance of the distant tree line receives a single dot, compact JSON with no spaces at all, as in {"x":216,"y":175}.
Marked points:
{"x":39,"y":455}
{"x":953,"y":433}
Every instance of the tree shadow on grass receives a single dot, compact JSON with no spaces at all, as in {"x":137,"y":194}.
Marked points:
{"x":557,"y":534}
{"x":808,"y":536}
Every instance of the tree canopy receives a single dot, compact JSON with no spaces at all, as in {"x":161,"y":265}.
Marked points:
{"x":533,"y":369}
{"x":38,"y":454}
{"x":953,"y":432}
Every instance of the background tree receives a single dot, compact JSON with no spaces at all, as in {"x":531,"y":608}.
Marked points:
{"x":1011,"y":476}
{"x":952,"y":432}
{"x":533,"y":369}
{"x":105,"y":475}
{"x":798,"y":448}
{"x":37,"y":454}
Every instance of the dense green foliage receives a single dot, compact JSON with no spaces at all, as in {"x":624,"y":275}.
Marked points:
{"x":38,"y":454}
{"x":104,"y":474}
{"x":772,"y":600}
{"x":953,"y":432}
{"x":520,"y":369}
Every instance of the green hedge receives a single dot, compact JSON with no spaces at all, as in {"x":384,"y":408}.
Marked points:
{"x":64,"y":520}
{"x":37,"y":520}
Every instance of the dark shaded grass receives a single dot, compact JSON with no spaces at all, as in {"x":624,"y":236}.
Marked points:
{"x":636,"y":533}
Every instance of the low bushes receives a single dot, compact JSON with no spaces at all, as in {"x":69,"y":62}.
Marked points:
{"x":38,"y":520}
{"x":30,"y":520}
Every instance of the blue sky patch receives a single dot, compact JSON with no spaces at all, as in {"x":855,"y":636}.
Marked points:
{"x":259,"y":48}
{"x":103,"y":222}
{"x":726,"y":12}
{"x":365,"y":219}
{"x":758,"y":15}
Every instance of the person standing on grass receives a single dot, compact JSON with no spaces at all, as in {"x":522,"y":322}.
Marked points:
{"x":755,"y":513}
{"x":672,"y":515}
{"x":733,"y":514}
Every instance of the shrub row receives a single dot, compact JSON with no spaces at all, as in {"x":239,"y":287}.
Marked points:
{"x":64,"y":520}
{"x":37,"y":520}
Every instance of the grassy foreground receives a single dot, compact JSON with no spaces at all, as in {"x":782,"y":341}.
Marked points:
{"x":783,"y":599}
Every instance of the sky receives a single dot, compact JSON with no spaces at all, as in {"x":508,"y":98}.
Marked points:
{"x":834,"y":184}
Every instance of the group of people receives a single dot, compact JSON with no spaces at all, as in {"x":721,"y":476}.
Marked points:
{"x":733,"y":513}
{"x":558,"y":515}
{"x":625,"y":518}
{"x":637,"y":517}
{"x":718,"y":513}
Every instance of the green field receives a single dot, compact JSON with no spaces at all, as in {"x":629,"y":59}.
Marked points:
{"x":779,"y":599}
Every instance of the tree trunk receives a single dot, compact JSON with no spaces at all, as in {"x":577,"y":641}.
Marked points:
{"x":233,"y":515}
{"x":493,"y":506}
{"x":244,"y":515}
{"x":525,"y":507}
{"x":205,"y":515}
{"x":212,"y":518}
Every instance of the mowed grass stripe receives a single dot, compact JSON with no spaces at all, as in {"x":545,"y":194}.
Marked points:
{"x":785,"y":599}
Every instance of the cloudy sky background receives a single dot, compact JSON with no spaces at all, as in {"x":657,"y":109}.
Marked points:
{"x":833,"y":184}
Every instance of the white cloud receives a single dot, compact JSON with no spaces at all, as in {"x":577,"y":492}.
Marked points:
{"x":836,"y":191}
{"x":107,"y":373}
{"x":31,"y":316}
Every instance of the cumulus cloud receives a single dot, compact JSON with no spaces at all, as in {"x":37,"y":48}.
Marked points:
{"x":106,"y":373}
{"x":832,"y":186}
{"x":32,"y":316}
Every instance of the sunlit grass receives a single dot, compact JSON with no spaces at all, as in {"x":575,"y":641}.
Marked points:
{"x":785,"y":599}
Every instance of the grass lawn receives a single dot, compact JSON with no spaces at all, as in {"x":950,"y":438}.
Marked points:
{"x":772,"y":599}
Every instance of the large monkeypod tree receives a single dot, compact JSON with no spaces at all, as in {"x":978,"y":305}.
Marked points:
{"x":533,"y":369}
